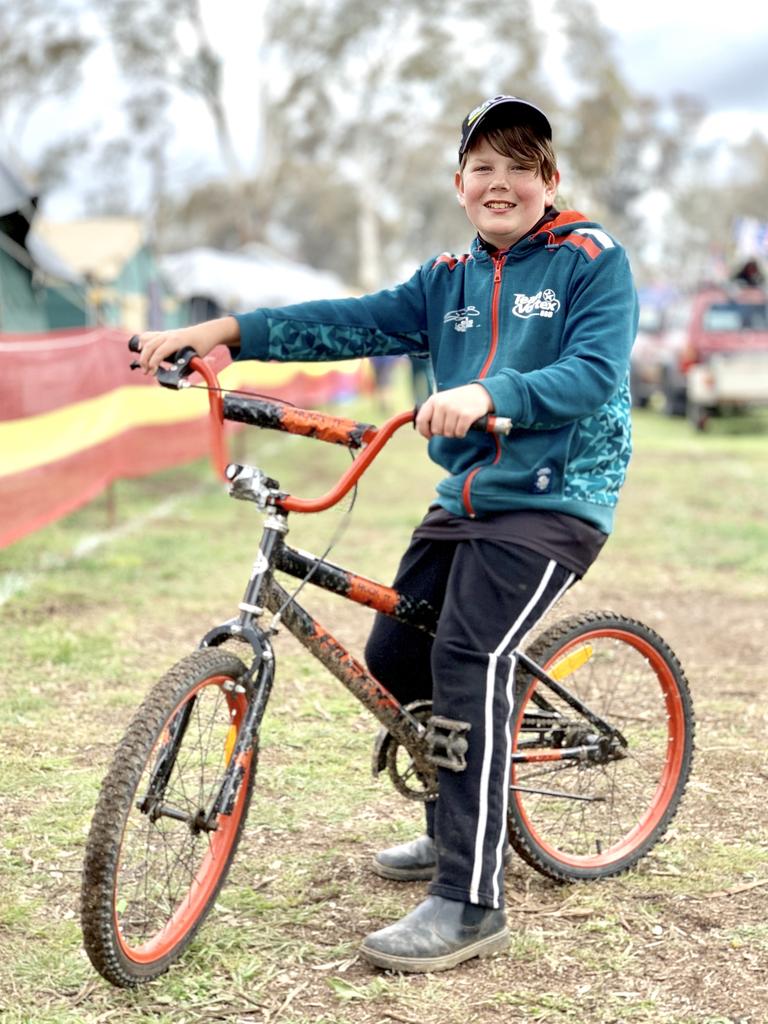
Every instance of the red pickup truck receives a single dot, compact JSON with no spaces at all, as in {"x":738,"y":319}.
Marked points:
{"x":705,"y":357}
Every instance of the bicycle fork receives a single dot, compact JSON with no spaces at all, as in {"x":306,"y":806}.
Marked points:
{"x":256,"y":683}
{"x":205,"y":819}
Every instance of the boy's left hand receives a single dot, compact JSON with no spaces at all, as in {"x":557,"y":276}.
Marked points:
{"x":451,"y":413}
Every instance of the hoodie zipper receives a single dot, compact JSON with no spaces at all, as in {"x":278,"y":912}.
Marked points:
{"x":498,"y":263}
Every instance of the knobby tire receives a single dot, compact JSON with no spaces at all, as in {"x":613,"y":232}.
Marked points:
{"x":148,"y":885}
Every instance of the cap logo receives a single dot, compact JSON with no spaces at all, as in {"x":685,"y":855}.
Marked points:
{"x":479,"y":111}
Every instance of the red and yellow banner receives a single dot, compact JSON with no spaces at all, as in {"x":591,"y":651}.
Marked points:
{"x":74,"y":417}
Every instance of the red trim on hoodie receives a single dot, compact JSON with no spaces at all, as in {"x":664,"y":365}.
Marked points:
{"x":451,"y":261}
{"x":498,"y":263}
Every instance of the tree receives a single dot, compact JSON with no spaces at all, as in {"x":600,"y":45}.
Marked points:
{"x":42,"y":49}
{"x":358,"y":104}
{"x":702,"y":242}
{"x":619,"y":146}
{"x":162,"y":48}
{"x":374,"y":99}
{"x":163,"y":51}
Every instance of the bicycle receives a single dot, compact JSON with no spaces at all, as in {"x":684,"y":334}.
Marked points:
{"x":599,"y":765}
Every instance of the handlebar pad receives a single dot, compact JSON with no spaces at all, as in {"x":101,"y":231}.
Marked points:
{"x":273,"y":415}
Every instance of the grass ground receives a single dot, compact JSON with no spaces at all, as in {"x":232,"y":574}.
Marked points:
{"x":89,"y":622}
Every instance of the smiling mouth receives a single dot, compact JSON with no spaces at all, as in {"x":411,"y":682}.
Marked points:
{"x":499,"y":205}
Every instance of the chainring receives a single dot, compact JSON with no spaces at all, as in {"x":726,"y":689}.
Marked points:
{"x":406,"y":778}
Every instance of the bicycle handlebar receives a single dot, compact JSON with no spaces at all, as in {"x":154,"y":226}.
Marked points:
{"x":272,"y":414}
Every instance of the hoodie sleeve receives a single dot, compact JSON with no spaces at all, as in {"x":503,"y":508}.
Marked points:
{"x":601,"y":324}
{"x":389,"y":322}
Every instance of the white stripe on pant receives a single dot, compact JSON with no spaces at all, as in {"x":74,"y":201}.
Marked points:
{"x":509,"y":638}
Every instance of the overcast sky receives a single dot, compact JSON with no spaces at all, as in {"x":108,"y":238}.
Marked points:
{"x":718,"y":52}
{"x":665,"y":46}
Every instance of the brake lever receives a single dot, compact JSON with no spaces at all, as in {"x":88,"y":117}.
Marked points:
{"x":171,"y":376}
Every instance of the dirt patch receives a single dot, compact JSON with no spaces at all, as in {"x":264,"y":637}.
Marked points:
{"x":689,"y":947}
{"x":681,"y":940}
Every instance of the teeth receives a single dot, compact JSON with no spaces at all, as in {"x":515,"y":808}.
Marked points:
{"x":500,"y":206}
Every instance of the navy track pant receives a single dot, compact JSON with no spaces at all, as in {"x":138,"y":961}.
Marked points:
{"x":489,"y":594}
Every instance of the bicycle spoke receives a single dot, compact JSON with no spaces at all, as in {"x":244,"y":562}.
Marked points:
{"x":621,"y":676}
{"x":165,"y":856}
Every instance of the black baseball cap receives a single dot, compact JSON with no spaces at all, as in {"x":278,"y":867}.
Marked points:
{"x":509,"y":109}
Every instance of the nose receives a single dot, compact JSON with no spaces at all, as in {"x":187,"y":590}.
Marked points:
{"x":500,"y":181}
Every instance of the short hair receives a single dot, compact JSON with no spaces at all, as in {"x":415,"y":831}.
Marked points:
{"x":520,"y":141}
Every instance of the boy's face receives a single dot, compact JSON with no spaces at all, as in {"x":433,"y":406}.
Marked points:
{"x":502,"y":199}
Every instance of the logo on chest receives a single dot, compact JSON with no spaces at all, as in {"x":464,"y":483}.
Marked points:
{"x":462,"y":319}
{"x":544,"y":303}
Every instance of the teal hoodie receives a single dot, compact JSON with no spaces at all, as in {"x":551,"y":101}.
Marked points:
{"x":545,"y":326}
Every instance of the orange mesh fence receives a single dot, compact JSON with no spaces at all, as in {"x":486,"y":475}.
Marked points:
{"x":74,"y":418}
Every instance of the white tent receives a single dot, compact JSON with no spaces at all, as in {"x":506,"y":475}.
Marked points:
{"x":254,"y":276}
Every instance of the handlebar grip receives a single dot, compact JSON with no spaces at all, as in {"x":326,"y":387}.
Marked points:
{"x":172,"y":376}
{"x":491,"y":424}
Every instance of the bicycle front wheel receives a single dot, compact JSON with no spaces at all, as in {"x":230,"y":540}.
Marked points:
{"x":155,"y":858}
{"x":596,"y":816}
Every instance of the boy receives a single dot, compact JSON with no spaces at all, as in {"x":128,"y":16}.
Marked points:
{"x":535,"y":323}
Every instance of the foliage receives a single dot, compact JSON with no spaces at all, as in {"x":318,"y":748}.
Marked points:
{"x":162,"y":47}
{"x":364,"y":132}
{"x":618,"y":145}
{"x":355,"y":111}
{"x":375,"y":123}
{"x":708,"y":207}
{"x":42,"y":48}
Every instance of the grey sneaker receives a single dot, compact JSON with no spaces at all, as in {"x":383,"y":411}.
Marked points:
{"x":408,"y":862}
{"x":436,"y":936}
{"x":413,"y":861}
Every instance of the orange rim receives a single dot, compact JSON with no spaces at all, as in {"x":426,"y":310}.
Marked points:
{"x":676,"y":731}
{"x":209,"y":872}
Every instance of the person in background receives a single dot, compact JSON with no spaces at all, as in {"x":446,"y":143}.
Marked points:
{"x":750,"y":275}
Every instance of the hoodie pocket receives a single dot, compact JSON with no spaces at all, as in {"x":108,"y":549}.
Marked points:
{"x":532,"y":463}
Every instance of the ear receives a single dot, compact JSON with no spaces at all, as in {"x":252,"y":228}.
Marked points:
{"x":458,"y":184}
{"x":550,"y":190}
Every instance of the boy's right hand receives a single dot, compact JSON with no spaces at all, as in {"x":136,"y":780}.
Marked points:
{"x":451,"y":413}
{"x":157,"y":346}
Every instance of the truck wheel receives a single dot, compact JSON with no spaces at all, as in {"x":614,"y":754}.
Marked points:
{"x":697,"y":415}
{"x":674,"y":400}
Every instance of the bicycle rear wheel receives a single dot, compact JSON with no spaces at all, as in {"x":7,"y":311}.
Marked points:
{"x":153,"y":864}
{"x":596,"y":817}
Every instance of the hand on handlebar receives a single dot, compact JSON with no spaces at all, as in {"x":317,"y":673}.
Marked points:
{"x":155,"y":347}
{"x":451,"y":413}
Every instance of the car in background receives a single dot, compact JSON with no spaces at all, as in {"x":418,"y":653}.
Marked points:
{"x":725,"y":361}
{"x":661,"y":333}
{"x":706,"y":356}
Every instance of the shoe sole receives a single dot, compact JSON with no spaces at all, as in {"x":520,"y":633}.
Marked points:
{"x":403,"y":874}
{"x":426,"y":965}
